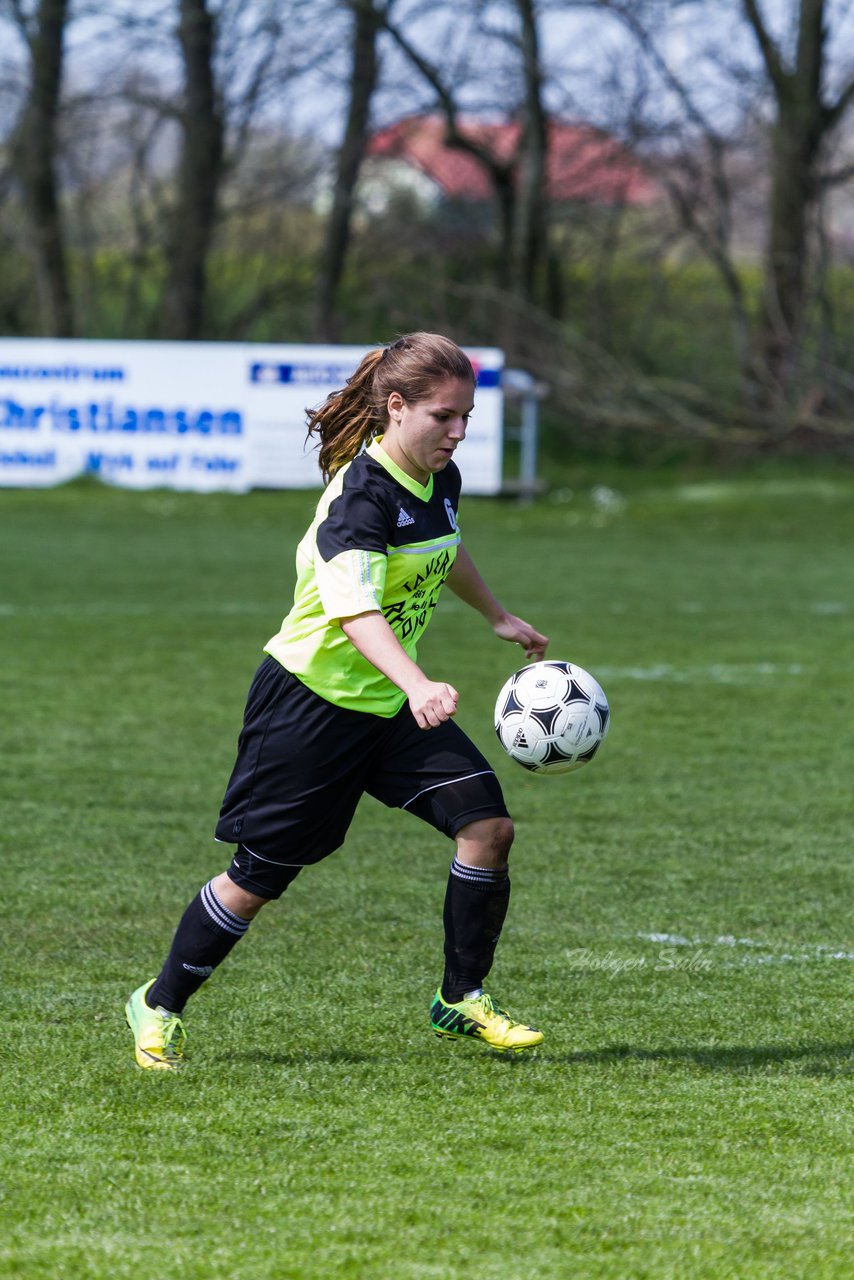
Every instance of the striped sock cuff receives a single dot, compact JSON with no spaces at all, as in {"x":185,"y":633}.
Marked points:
{"x":220,"y":915}
{"x":479,"y":877}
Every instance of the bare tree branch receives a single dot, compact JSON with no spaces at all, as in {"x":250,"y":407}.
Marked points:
{"x":770,"y":53}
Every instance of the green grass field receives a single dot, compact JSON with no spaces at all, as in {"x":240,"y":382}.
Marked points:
{"x":680,"y":924}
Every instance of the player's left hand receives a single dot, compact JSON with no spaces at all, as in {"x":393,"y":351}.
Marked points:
{"x":517,"y":631}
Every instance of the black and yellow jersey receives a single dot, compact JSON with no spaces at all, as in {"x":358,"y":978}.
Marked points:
{"x":379,"y":541}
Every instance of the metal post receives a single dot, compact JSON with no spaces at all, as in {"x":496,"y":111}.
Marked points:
{"x":521,"y":387}
{"x":528,"y":438}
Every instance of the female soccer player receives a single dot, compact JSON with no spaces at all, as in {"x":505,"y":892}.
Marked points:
{"x":340,"y":707}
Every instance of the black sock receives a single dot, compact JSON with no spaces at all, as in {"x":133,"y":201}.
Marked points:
{"x":475,"y":906}
{"x":205,"y":935}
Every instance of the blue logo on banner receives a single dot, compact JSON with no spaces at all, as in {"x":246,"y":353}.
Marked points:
{"x":269,"y":373}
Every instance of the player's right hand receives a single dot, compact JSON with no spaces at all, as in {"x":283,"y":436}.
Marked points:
{"x":432,"y":703}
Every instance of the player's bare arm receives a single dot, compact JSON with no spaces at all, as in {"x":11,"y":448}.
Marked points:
{"x":466,"y":582}
{"x":431,"y":701}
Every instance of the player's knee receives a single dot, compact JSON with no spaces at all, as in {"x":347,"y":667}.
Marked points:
{"x":237,"y":899}
{"x":486,"y":843}
{"x":503,"y":836}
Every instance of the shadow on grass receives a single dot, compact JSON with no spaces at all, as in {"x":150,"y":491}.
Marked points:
{"x":813,"y":1058}
{"x":810,"y":1058}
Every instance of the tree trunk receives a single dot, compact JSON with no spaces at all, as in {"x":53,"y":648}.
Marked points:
{"x":530,"y":231}
{"x":794,"y":188}
{"x":363,"y":79}
{"x":199,"y":177}
{"x":800,"y":126}
{"x":36,"y":148}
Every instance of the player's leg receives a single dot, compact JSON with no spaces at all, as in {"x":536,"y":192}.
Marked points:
{"x":294,"y":753}
{"x":441,"y":777}
{"x":213,"y":923}
{"x":476,"y":902}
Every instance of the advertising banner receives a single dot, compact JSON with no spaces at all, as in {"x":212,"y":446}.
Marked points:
{"x":196,"y":416}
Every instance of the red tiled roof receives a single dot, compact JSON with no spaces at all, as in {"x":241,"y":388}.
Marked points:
{"x":583,"y":163}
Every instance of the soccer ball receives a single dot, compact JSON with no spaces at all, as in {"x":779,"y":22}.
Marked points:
{"x":551,"y":717}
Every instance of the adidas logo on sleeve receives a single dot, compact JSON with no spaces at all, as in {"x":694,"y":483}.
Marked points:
{"x":403,"y":519}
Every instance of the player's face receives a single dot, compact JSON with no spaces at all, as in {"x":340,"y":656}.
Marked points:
{"x":421,"y":436}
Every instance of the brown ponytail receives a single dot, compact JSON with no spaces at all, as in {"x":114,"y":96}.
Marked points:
{"x":348,"y":419}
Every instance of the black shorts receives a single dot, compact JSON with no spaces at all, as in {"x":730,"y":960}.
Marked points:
{"x":303,"y":764}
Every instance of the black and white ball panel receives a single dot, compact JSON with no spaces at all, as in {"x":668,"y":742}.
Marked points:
{"x":552,"y":717}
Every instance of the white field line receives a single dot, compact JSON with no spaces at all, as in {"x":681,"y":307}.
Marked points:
{"x":748,"y":951}
{"x":690,"y":608}
{"x":716,"y":673}
{"x":726,"y":491}
{"x":822,"y":608}
{"x":110,"y":608}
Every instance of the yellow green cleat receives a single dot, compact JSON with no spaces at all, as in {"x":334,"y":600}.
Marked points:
{"x":478,"y":1019}
{"x":159,"y":1035}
